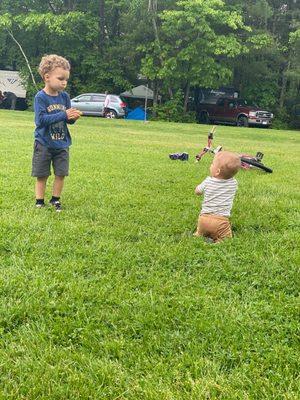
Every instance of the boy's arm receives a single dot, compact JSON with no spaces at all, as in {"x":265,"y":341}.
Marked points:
{"x":74,"y":115}
{"x":43,"y":117}
{"x":68,"y":105}
{"x":200,"y":188}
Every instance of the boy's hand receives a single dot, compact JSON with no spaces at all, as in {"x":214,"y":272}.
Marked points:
{"x":73,"y":114}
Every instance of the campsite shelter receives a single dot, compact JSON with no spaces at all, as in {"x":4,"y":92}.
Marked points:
{"x":138,"y":99}
{"x":139,"y":96}
{"x":138,"y":92}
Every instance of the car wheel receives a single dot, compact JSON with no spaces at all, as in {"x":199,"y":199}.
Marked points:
{"x":242,"y":121}
{"x":110,"y":114}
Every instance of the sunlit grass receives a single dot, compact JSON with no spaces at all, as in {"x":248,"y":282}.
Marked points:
{"x":114,"y":298}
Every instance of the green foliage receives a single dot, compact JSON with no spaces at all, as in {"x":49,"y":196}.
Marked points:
{"x":259,"y":41}
{"x":5,"y":21}
{"x":269,"y":73}
{"x":262,"y":93}
{"x":253,"y":46}
{"x":191,"y":43}
{"x":295,"y":36}
{"x":172,"y":110}
{"x":261,"y":11}
{"x":282,"y":119}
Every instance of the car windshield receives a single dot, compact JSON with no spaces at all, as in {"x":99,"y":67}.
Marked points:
{"x":243,"y":102}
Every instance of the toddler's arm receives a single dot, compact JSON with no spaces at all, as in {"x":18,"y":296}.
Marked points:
{"x":200,"y":188}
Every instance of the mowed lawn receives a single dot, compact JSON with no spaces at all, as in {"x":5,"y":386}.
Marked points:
{"x":115,"y":299}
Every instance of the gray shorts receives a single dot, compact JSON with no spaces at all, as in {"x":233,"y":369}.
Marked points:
{"x":44,"y":156}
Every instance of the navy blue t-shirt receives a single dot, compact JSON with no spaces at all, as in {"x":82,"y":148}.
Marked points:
{"x":51,"y":120}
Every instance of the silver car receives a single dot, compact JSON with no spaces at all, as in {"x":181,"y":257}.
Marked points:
{"x":93,"y":104}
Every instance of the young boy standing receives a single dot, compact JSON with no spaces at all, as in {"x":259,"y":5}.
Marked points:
{"x":52,"y":108}
{"x":219,"y":190}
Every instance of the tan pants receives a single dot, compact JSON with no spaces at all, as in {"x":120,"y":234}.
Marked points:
{"x":213,"y":226}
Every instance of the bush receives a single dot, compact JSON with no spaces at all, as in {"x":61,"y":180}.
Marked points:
{"x":282,"y":119}
{"x":172,"y":110}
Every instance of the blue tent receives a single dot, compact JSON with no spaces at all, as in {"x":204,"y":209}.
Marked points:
{"x":138,"y":114}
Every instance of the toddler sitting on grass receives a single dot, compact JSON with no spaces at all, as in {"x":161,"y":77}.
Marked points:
{"x":219,"y":190}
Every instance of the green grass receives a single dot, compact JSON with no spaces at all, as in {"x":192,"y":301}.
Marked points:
{"x":114,"y":299}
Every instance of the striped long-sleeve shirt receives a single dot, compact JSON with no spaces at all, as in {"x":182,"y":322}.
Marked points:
{"x":218,"y":195}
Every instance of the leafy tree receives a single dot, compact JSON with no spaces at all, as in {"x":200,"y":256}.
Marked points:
{"x":176,"y":44}
{"x":197,"y":41}
{"x":268,"y":74}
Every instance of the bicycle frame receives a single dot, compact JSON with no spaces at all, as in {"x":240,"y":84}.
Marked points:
{"x":209,"y":148}
{"x":247,"y":161}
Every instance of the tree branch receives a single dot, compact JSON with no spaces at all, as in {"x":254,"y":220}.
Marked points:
{"x":24,"y":55}
{"x":51,"y":7}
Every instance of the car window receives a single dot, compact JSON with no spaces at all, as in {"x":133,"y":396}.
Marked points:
{"x":221,"y":102}
{"x":84,"y":98}
{"x":243,"y":102}
{"x":98,"y":98}
{"x":114,"y":99}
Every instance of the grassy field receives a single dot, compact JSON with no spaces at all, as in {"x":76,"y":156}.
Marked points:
{"x":115,"y":299}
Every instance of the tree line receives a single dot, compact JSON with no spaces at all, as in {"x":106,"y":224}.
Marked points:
{"x":176,"y":45}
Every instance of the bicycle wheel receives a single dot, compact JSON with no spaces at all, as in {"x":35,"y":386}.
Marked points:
{"x":256,"y":164}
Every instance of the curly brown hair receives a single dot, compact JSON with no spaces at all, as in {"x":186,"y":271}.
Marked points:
{"x":50,"y":62}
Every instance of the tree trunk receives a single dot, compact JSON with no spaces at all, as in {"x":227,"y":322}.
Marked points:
{"x":152,"y":9}
{"x":284,"y":84}
{"x":155,"y":97}
{"x":101,"y":23}
{"x":68,"y":5}
{"x":115,"y":26}
{"x":186,"y":96}
{"x":52,"y":8}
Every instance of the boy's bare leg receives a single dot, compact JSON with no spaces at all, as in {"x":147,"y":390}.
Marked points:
{"x":58,"y":185}
{"x":40,"y":187}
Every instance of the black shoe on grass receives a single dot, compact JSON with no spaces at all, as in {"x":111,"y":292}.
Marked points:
{"x":39,"y":203}
{"x":179,"y":156}
{"x":56,"y":204}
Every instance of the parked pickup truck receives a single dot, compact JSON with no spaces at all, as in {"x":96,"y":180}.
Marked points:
{"x":233,"y":111}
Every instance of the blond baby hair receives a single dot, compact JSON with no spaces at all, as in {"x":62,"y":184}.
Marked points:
{"x":228,"y":163}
